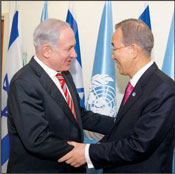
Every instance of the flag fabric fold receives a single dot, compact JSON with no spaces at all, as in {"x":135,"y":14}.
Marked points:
{"x":102,"y":94}
{"x":14,"y":62}
{"x":145,"y":16}
{"x":76,"y":66}
{"x":44,"y":14}
{"x":168,"y":63}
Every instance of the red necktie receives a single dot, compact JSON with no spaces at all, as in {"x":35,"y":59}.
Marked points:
{"x":66,"y":93}
{"x":129,"y":89}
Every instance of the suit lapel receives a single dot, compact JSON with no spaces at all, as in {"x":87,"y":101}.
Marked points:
{"x":134,"y":96}
{"x":52,"y":89}
{"x":136,"y":93}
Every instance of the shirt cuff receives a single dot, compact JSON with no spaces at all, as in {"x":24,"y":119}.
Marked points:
{"x":88,"y":160}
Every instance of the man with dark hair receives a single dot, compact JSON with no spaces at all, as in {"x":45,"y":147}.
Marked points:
{"x":142,"y":138}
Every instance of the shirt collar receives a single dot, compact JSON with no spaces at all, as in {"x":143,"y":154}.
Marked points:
{"x":52,"y":73}
{"x":137,"y":76}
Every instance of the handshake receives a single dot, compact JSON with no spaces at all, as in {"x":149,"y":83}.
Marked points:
{"x":76,"y":157}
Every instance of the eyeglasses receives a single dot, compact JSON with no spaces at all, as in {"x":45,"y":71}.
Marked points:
{"x":115,"y":49}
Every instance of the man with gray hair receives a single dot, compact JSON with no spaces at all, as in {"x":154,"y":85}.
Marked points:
{"x":44,"y":110}
{"x":142,"y":138}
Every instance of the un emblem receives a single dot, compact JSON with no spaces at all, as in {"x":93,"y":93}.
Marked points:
{"x":102,"y":98}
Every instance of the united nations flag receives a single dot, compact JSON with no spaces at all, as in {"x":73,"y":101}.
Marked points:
{"x":102,"y":94}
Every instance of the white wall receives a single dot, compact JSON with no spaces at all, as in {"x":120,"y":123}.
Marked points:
{"x":88,"y":18}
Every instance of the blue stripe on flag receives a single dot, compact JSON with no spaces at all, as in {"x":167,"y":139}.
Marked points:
{"x":4,"y":112}
{"x":70,"y":19}
{"x":6,"y":83}
{"x":145,"y":17}
{"x":5,"y":149}
{"x":80,"y":90}
{"x":14,"y":31}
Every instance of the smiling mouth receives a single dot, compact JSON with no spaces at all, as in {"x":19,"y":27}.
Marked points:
{"x":116,"y":62}
{"x":69,"y":62}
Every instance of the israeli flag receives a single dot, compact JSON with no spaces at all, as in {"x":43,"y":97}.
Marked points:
{"x":14,"y":62}
{"x":168,"y":65}
{"x":44,"y":14}
{"x":145,"y":16}
{"x":76,"y":67}
{"x":102,"y":95}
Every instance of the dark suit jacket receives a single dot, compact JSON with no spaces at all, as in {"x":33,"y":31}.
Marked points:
{"x":40,"y":122}
{"x":142,"y":138}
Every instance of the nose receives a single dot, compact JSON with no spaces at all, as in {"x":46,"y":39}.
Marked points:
{"x":73,"y":53}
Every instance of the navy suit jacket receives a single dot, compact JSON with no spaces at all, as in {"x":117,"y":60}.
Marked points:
{"x":40,"y":122}
{"x":142,"y":138}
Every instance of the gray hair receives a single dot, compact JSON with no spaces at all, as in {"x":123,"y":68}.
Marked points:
{"x":47,"y":32}
{"x":136,"y":31}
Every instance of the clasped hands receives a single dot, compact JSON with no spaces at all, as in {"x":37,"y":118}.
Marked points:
{"x":76,"y":157}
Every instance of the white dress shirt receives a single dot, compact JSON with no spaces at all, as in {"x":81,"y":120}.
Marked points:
{"x":133,"y":82}
{"x":52,"y":74}
{"x":137,"y":76}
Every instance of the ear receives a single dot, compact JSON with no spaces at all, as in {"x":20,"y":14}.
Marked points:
{"x":134,"y":50}
{"x":46,"y":50}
